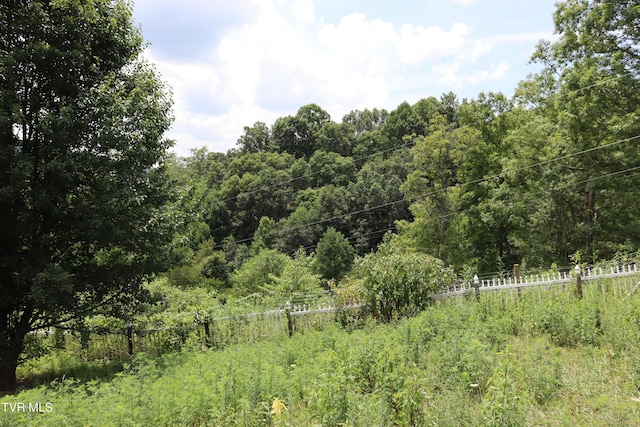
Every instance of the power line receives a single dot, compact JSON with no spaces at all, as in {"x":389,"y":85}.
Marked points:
{"x":434,"y":192}
{"x":350,"y":238}
{"x":560,"y":187}
{"x":368,"y":156}
{"x":278,"y":184}
{"x":635,"y":169}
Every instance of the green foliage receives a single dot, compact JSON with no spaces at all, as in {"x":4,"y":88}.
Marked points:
{"x":215,"y":267}
{"x":438,"y":368}
{"x":328,"y":168}
{"x":171,"y":306}
{"x":440,"y":164}
{"x":502,"y":403}
{"x":82,"y":159}
{"x":185,"y":276}
{"x":401,"y":284}
{"x":207,"y":268}
{"x":378,"y":183}
{"x":333,"y":255}
{"x":594,"y":65}
{"x":265,"y":236}
{"x":298,"y":278}
{"x":256,"y":138}
{"x":317,"y":209}
{"x":259,"y":272}
{"x":482,"y":184}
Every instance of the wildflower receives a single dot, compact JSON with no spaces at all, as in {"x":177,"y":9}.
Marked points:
{"x":277,"y":407}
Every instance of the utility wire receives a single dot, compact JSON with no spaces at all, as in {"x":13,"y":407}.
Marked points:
{"x":434,"y":192}
{"x":457,"y":212}
{"x":410,"y":143}
{"x":635,"y":169}
{"x":279,"y":184}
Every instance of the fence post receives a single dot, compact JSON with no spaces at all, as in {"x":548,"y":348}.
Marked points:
{"x":516,"y":275}
{"x":287,"y":312}
{"x":476,"y":285}
{"x":578,"y":271}
{"x":207,"y":334}
{"x":130,"y":339}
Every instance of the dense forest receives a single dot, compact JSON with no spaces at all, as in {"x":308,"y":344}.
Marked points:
{"x":546,"y":177}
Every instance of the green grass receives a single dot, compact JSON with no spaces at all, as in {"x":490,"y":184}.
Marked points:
{"x":559,"y":362}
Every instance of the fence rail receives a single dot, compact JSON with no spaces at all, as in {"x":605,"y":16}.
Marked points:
{"x":213,"y":333}
{"x":294,"y":318}
{"x":557,"y":278}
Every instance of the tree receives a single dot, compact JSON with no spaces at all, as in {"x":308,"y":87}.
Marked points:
{"x":375,"y":195}
{"x":334,"y":255}
{"x":327,"y":168}
{"x":215,"y":267}
{"x":434,"y":186}
{"x":298,"y":281}
{"x":298,"y":135}
{"x":316,"y":209}
{"x":401,"y":122}
{"x":314,"y":116}
{"x":265,"y":236}
{"x":255,"y":138}
{"x":258,"y":186}
{"x":259,"y":273}
{"x":598,"y":28}
{"x":595,"y":62}
{"x":365,"y":121}
{"x":486,"y":202}
{"x":337,"y":138}
{"x":83,"y":189}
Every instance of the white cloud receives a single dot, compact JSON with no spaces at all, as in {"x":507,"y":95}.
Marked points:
{"x":416,"y":45}
{"x":451,"y":74}
{"x":303,"y":10}
{"x":284,"y":56}
{"x":480,"y":48}
{"x":464,"y":2}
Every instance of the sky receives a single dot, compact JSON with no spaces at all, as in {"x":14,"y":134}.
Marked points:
{"x":230,"y":64}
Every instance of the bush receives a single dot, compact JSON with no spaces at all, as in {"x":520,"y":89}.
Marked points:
{"x":259,"y":271}
{"x":401,"y":284}
{"x":298,"y":278}
{"x":215,"y":267}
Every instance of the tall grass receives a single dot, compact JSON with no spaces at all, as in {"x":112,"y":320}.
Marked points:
{"x":535,"y":361}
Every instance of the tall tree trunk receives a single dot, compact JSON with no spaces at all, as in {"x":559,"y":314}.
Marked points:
{"x":8,"y":375}
{"x":9,"y":352}
{"x":11,"y":345}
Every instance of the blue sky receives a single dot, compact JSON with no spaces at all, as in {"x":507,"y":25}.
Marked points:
{"x":231,"y":64}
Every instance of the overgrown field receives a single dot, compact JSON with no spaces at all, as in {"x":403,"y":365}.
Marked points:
{"x":562,"y":361}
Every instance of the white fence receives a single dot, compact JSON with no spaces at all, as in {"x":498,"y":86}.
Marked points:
{"x":297,"y":310}
{"x":549,"y":279}
{"x":269,"y":324}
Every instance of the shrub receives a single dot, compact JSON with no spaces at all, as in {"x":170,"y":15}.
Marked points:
{"x":258,"y":271}
{"x":215,"y":267}
{"x":400,"y":284}
{"x":298,"y":277}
